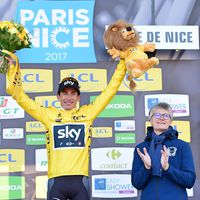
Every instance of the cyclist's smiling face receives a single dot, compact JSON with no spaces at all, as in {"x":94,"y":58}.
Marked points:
{"x":160,"y":120}
{"x":68,"y":98}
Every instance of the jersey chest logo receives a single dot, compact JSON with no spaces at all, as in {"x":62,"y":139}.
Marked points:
{"x":68,"y":135}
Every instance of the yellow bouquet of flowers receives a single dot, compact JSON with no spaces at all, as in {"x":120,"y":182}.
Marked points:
{"x":13,"y":37}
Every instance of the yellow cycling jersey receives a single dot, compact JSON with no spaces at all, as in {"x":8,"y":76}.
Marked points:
{"x":68,"y":133}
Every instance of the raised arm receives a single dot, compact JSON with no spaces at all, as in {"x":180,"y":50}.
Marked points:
{"x":15,"y":89}
{"x":107,"y":94}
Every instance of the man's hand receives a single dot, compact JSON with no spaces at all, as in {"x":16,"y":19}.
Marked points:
{"x":145,"y":158}
{"x":164,"y":158}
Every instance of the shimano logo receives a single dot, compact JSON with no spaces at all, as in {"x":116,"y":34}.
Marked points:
{"x":118,"y":106}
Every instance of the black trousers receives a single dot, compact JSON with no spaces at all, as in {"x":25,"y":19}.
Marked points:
{"x":74,"y":187}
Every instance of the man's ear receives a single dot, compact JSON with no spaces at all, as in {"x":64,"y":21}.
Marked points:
{"x":58,"y":96}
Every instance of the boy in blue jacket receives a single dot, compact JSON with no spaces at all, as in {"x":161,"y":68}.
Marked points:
{"x":163,"y":165}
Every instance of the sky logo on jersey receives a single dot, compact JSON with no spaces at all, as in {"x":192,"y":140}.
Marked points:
{"x":91,"y":80}
{"x":69,"y":135}
{"x":119,"y":106}
{"x":178,"y":102}
{"x":60,"y":31}
{"x":9,"y":109}
{"x":101,"y":132}
{"x":48,"y":101}
{"x":34,"y":126}
{"x":12,"y":160}
{"x":12,"y":187}
{"x":149,"y":81}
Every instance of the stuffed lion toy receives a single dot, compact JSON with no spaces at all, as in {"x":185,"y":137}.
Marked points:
{"x":122,"y":39}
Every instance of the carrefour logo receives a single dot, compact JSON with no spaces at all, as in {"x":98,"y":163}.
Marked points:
{"x":112,"y":159}
{"x":59,"y":31}
{"x":113,"y":154}
{"x":119,"y":106}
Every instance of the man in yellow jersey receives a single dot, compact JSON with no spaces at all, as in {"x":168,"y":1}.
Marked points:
{"x":68,"y":131}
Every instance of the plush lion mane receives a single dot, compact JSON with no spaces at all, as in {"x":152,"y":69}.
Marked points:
{"x":114,"y":38}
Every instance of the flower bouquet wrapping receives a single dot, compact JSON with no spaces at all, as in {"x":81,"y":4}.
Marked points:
{"x":13,"y":37}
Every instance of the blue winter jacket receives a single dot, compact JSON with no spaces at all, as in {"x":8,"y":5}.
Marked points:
{"x":174,"y":181}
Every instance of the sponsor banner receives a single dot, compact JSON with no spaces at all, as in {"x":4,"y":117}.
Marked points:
{"x":183,"y":128}
{"x":170,"y":37}
{"x":12,"y":160}
{"x":36,"y":80}
{"x":60,"y":31}
{"x":178,"y":102}
{"x":35,"y":139}
{"x":13,"y":133}
{"x":12,"y":187}
{"x":124,"y":138}
{"x":149,"y":81}
{"x":119,"y":106}
{"x":48,"y":101}
{"x":41,"y":163}
{"x":102,"y":132}
{"x":9,"y":109}
{"x":34,"y":126}
{"x":112,"y":186}
{"x":112,"y":159}
{"x":41,"y":187}
{"x":125,"y":125}
{"x":91,"y":80}
{"x":68,"y":136}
